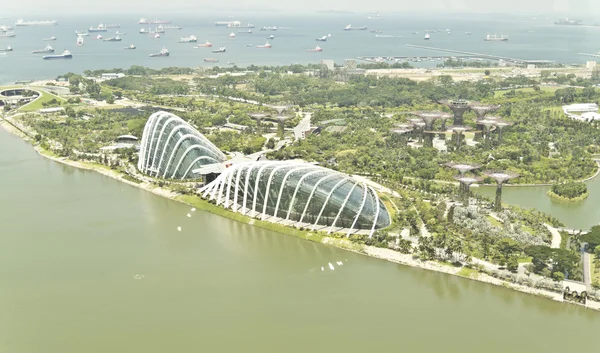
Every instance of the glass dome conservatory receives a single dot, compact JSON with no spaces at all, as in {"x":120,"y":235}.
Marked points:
{"x":171,"y":148}
{"x":299,"y":193}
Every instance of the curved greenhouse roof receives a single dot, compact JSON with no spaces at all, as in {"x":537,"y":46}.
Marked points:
{"x":299,"y":193}
{"x":171,"y":148}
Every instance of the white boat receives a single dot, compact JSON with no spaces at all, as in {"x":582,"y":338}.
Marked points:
{"x":168,"y":27}
{"x":21,"y":22}
{"x":318,"y":49}
{"x":220,"y":50}
{"x":82,"y":33}
{"x":100,"y":28}
{"x":190,"y":39}
{"x":427,"y":36}
{"x":99,"y":37}
{"x":163,"y":52}
{"x":264,"y":46}
{"x":231,"y":35}
{"x":350,"y":28}
{"x":120,"y":33}
{"x":79,"y":40}
{"x":50,"y":39}
{"x":130,"y":47}
{"x":47,"y":49}
{"x":6,"y":28}
{"x":495,"y":38}
{"x":271,"y":37}
{"x":322,"y":39}
{"x":8,"y":48}
{"x":249,"y":31}
{"x":113,"y":39}
{"x":144,"y":21}
{"x":156,"y":36}
{"x":7,"y":35}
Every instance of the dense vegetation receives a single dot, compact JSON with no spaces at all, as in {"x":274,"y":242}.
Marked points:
{"x":569,"y":190}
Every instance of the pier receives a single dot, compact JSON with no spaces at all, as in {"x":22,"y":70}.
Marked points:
{"x":378,"y":59}
{"x":589,"y":54}
{"x":482,"y":56}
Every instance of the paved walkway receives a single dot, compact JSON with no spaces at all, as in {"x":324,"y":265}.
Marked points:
{"x":556,"y":238}
{"x":587,"y":273}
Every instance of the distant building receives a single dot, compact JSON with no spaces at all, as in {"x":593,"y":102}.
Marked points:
{"x":590,"y":65}
{"x":51,"y":110}
{"x":110,"y":76}
{"x":350,"y":64}
{"x":330,"y":64}
{"x":582,"y":111}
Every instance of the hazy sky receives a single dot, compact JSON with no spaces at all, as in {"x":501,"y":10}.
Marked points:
{"x":590,"y":8}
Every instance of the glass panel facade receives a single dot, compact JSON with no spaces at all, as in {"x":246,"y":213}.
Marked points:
{"x":171,"y":148}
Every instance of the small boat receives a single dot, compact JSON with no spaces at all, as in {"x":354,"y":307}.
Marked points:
{"x":211,"y":60}
{"x":9,"y":48}
{"x":322,"y":39}
{"x":264,"y":46}
{"x":220,"y":50}
{"x":6,"y":28}
{"x":49,"y":39}
{"x":495,"y":38}
{"x":350,"y":28}
{"x":205,"y":45}
{"x":230,"y":63}
{"x":79,"y":40}
{"x":246,"y":32}
{"x":47,"y":49}
{"x":99,"y":37}
{"x":156,"y":36}
{"x":143,"y":31}
{"x":249,"y":45}
{"x":468,"y":33}
{"x":271,"y":37}
{"x":190,"y":39}
{"x":113,"y":39}
{"x":427,"y":36}
{"x":329,"y":35}
{"x":100,"y":28}
{"x":120,"y":33}
{"x":130,"y":47}
{"x":81,"y":33}
{"x":7,"y":35}
{"x":232,"y":35}
{"x":65,"y":55}
{"x":163,"y":52}
{"x":318,"y":49}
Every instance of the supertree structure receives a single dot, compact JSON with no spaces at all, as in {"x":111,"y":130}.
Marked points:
{"x":458,"y":107}
{"x":462,"y":169}
{"x":459,"y":131}
{"x":501,"y":177}
{"x":419,"y":125}
{"x":481,"y":110}
{"x":280,"y":109}
{"x":500,"y":125}
{"x":401,"y":130}
{"x":258,"y":117}
{"x":429,"y":119}
{"x":281,"y":124}
{"x":487,"y":123}
{"x":465,"y":184}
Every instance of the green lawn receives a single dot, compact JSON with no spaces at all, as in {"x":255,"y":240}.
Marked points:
{"x":37,"y":104}
{"x":528,"y":89}
{"x":494,"y":221}
{"x":468,"y":272}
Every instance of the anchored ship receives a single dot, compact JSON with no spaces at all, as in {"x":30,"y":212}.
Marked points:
{"x":220,"y":50}
{"x":238,"y":24}
{"x":130,"y":47}
{"x":47,"y":49}
{"x":21,"y":22}
{"x":6,"y":28}
{"x":79,"y":40}
{"x":120,"y":33}
{"x":7,"y":35}
{"x":231,"y":35}
{"x":65,"y":55}
{"x":427,"y":36}
{"x":81,"y":33}
{"x":264,"y":46}
{"x":113,"y":39}
{"x":144,"y":21}
{"x":495,"y":38}
{"x":50,"y":39}
{"x":100,"y":28}
{"x":9,"y":48}
{"x":211,"y":60}
{"x":567,"y":22}
{"x":205,"y":45}
{"x":190,"y":39}
{"x":322,"y":39}
{"x":350,"y":28}
{"x":163,"y":52}
{"x":167,"y":27}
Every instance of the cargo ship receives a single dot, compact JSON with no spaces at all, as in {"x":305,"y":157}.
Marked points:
{"x":100,"y":28}
{"x":21,"y":22}
{"x":567,"y":22}
{"x":350,"y":28}
{"x":238,"y":24}
{"x":65,"y":55}
{"x":47,"y":49}
{"x":113,"y":39}
{"x":495,"y":38}
{"x":168,"y":27}
{"x":190,"y":39}
{"x":205,"y":45}
{"x":264,"y":46}
{"x":113,"y":26}
{"x":220,"y":50}
{"x":144,"y":21}
{"x":163,"y":52}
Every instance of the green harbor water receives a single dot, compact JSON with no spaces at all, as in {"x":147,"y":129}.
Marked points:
{"x":89,"y":264}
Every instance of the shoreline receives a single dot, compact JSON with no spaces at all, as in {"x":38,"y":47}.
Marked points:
{"x":341,"y":243}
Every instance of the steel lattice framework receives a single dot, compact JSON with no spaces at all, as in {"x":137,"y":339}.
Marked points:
{"x":301,"y":193}
{"x":171,"y":148}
